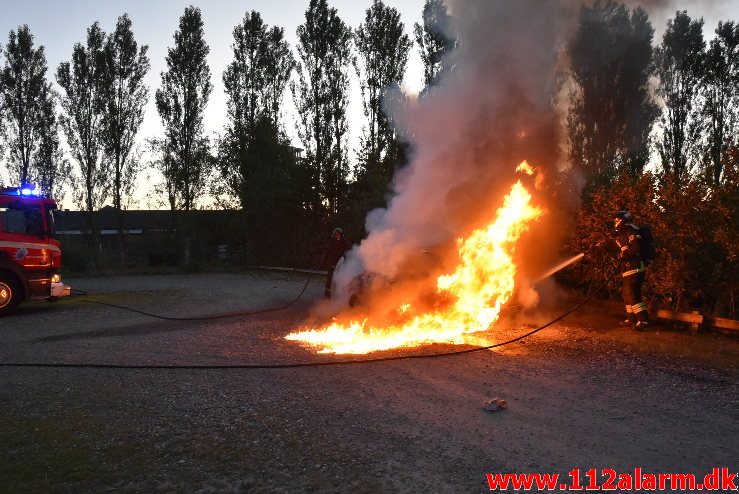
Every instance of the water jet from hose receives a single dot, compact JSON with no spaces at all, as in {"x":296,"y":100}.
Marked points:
{"x":560,"y":267}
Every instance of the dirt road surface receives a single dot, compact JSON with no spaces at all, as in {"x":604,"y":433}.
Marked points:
{"x":583,"y":393}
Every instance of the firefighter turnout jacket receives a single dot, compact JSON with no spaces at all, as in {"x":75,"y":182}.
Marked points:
{"x":628,"y":244}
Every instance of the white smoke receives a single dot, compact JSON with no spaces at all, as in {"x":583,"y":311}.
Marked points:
{"x":502,"y":102}
{"x":492,"y":110}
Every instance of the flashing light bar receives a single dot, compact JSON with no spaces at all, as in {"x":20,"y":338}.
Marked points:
{"x":27,"y":190}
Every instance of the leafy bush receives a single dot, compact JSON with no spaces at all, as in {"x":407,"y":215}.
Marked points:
{"x":695,"y":226}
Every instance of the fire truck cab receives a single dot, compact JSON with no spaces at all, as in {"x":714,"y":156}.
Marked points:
{"x":30,"y":256}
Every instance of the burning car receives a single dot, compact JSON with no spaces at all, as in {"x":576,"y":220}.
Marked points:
{"x":418,"y":266}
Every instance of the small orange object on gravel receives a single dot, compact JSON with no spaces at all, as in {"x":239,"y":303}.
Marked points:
{"x":494,"y":405}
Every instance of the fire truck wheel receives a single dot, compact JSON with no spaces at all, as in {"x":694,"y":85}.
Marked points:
{"x":10,"y":295}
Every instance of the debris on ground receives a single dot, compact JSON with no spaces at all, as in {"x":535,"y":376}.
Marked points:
{"x":494,"y":405}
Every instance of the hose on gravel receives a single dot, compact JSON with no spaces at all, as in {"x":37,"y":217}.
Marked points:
{"x":306,"y":364}
{"x":77,"y":294}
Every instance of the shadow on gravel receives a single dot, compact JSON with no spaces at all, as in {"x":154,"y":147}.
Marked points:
{"x":296,"y":312}
{"x":142,"y":330}
{"x":695,"y":376}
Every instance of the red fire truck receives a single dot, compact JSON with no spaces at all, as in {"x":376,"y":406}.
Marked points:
{"x":30,"y":256}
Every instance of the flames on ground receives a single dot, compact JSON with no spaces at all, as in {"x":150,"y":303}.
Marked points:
{"x":467,"y":299}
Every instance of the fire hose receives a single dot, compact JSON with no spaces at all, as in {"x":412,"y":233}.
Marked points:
{"x":307,"y":364}
{"x":78,"y":293}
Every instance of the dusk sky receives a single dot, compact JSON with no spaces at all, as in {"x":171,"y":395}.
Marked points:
{"x":58,"y":25}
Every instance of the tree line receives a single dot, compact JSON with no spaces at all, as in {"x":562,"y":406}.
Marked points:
{"x":251,"y":164}
{"x":679,"y":99}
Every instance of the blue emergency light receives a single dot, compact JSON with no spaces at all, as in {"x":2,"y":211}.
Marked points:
{"x":27,"y":190}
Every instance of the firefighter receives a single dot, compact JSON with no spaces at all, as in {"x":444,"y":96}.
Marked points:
{"x":628,"y":246}
{"x":335,"y":250}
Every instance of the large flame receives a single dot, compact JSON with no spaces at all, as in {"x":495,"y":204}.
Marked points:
{"x":479,"y":286}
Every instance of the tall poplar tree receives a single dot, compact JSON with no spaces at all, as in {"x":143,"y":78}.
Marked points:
{"x":434,"y":40}
{"x":24,"y":91}
{"x":321,"y":97}
{"x":124,"y":95}
{"x":278,"y":71}
{"x":383,"y":47}
{"x":721,"y":100}
{"x":255,"y":83}
{"x":612,"y":111}
{"x":181,"y":101}
{"x":679,"y":61}
{"x":81,"y":121}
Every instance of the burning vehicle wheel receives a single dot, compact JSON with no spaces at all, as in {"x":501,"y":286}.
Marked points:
{"x":10,"y":296}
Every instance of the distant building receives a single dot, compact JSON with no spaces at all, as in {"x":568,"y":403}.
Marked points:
{"x":297,"y":154}
{"x":155,"y":236}
{"x":137,"y":222}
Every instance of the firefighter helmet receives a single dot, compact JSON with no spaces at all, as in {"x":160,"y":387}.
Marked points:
{"x":338,"y":231}
{"x":621,"y":218}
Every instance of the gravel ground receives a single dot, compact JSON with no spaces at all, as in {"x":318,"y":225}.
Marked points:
{"x":584,"y":393}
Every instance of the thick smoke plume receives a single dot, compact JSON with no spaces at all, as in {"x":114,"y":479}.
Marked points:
{"x":493,"y":109}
